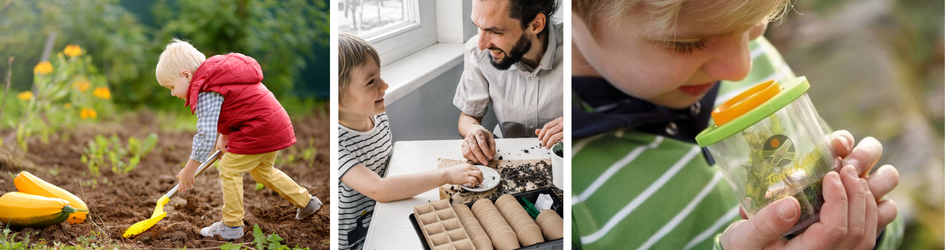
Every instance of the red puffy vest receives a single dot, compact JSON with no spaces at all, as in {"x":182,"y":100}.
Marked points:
{"x":251,"y":116}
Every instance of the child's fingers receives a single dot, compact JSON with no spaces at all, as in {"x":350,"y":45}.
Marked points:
{"x":865,"y":155}
{"x":883,"y":181}
{"x":886,"y":213}
{"x":763,"y":229}
{"x":833,"y":222}
{"x":857,"y":207}
{"x":870,"y":219}
{"x":841,"y":142}
{"x":478,"y":176}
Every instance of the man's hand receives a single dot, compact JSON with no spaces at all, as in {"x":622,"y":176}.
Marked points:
{"x":551,"y":133}
{"x":479,"y":146}
{"x":222,"y":143}
{"x":463,"y":173}
{"x":848,"y":220}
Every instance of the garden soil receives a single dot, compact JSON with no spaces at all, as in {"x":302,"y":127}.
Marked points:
{"x":117,"y":201}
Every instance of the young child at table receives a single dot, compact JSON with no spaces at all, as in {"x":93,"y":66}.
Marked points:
{"x":366,"y":144}
{"x":661,"y":66}
{"x":226,"y":93}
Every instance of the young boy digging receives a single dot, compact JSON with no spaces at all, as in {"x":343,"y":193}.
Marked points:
{"x":226,"y":93}
{"x":661,"y":67}
{"x":366,"y":144}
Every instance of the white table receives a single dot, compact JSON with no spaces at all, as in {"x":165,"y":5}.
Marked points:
{"x":390,"y":227}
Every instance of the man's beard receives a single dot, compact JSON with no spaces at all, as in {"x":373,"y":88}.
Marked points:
{"x":517,"y":52}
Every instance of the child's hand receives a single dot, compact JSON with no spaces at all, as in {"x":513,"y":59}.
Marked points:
{"x":463,"y":173}
{"x":863,"y":157}
{"x":222,"y":143}
{"x":479,"y":146}
{"x":848,"y":220}
{"x":185,"y":180}
{"x":551,"y":133}
{"x":186,"y":177}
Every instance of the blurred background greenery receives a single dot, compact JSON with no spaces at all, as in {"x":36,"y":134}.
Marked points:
{"x":288,"y":37}
{"x":877,"y":69}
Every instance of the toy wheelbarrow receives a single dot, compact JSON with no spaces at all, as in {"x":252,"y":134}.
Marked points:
{"x":159,"y":213}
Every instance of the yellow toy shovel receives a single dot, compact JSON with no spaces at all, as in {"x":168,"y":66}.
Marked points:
{"x":159,"y":213}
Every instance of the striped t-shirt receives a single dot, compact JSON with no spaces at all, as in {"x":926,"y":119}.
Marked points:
{"x":370,"y":149}
{"x":637,"y":190}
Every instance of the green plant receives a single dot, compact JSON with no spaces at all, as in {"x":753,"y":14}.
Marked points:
{"x":8,"y":241}
{"x":307,"y":154}
{"x":271,"y":242}
{"x":767,"y":182}
{"x":310,"y":153}
{"x":100,"y":149}
{"x":68,"y":89}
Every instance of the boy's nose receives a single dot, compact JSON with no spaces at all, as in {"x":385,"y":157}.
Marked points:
{"x":383,"y":85}
{"x":730,"y":62}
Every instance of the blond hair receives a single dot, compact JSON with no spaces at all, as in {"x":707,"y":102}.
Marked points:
{"x":178,"y":55}
{"x":725,"y":14}
{"x":353,"y":51}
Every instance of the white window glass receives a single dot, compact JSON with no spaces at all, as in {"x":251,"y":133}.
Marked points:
{"x":368,"y":18}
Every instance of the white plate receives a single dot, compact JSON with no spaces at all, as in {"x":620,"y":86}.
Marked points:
{"x":490,"y":179}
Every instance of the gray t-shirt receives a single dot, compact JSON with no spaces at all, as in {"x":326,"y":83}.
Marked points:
{"x":523,"y":98}
{"x":372,"y":149}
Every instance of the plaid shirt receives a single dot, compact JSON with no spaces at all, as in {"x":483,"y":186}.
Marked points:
{"x":208,"y":109}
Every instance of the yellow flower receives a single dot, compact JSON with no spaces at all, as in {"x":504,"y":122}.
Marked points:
{"x":81,"y":86}
{"x":68,"y":105}
{"x":72,"y":50}
{"x":87,"y":113}
{"x":43,"y":68}
{"x":25,"y":95}
{"x":102,"y":92}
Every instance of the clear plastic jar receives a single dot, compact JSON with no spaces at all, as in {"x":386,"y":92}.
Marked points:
{"x":770,"y":144}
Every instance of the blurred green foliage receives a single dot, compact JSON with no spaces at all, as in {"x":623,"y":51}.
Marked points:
{"x":108,"y":32}
{"x":279,"y":34}
{"x":276,"y":33}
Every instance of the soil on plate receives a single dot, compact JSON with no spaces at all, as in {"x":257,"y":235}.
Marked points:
{"x":117,"y":201}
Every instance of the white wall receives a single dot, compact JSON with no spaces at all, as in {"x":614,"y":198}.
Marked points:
{"x":428,"y":113}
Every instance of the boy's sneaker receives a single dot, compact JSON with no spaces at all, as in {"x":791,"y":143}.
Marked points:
{"x":310,"y":209}
{"x":225,"y":231}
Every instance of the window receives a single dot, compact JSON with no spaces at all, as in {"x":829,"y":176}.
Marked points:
{"x":374,"y":16}
{"x":396,"y":28}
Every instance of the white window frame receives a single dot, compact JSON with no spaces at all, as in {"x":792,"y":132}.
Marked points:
{"x":397,"y":42}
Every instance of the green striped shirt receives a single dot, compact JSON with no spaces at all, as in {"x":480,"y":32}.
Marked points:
{"x":634,"y":190}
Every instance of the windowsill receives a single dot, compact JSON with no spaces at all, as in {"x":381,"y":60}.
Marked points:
{"x":413,"y":71}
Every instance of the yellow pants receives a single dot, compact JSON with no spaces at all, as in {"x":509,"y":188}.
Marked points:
{"x":261,"y":166}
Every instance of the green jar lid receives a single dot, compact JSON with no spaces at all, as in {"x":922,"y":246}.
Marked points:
{"x":716,"y":133}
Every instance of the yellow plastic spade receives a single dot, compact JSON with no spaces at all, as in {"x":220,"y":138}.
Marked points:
{"x":159,"y":213}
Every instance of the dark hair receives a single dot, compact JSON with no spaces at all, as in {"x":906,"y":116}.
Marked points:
{"x":526,"y":10}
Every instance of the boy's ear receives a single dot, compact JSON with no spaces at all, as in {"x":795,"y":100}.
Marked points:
{"x":185,"y":73}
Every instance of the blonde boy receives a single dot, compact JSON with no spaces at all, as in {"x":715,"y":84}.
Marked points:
{"x":226,"y":93}
{"x":366,"y":144}
{"x":646,"y":75}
